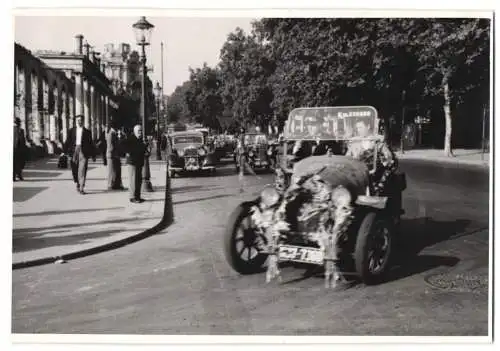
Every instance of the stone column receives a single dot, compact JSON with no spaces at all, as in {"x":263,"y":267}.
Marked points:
{"x":22,"y":97}
{"x":54,"y":117}
{"x":106,"y":109}
{"x":92,"y":109}
{"x":97,"y":110}
{"x":103,"y":111}
{"x":36,"y":132}
{"x":78,"y":97}
{"x":71,"y":110}
{"x":64,"y":115}
{"x":45,"y":109}
{"x":86,"y":104}
{"x":16,"y":77}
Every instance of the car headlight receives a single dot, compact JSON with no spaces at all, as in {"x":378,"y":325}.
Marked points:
{"x":202,"y":152}
{"x":341,"y":196}
{"x":269,"y":152}
{"x":250,"y":153}
{"x":269,"y":196}
{"x":180,"y":153}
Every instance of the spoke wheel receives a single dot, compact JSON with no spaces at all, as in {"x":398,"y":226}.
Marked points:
{"x":373,"y":248}
{"x":241,"y":245}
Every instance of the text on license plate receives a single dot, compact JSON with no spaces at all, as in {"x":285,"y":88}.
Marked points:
{"x":300,"y":254}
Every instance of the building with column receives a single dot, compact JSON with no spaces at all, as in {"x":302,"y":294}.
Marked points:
{"x":93,"y":95}
{"x":43,"y":100}
{"x":122,"y":67}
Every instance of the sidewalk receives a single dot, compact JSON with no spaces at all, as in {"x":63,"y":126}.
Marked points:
{"x":50,"y":219}
{"x":461,"y":156}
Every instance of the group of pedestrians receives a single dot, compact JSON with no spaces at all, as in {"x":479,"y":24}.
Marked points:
{"x":79,"y":148}
{"x":79,"y":145}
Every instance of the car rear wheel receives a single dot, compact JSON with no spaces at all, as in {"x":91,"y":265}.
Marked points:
{"x":240,"y":243}
{"x":373,"y":248}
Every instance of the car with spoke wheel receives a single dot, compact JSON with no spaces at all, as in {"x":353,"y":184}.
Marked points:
{"x":322,"y":209}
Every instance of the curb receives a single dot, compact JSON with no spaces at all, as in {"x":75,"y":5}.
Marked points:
{"x":453,"y":161}
{"x":95,"y":250}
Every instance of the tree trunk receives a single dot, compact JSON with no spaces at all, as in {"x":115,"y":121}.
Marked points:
{"x":447,"y":117}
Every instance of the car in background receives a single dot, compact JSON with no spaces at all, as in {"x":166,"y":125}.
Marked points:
{"x":190,"y":153}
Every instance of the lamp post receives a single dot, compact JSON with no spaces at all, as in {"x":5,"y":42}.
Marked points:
{"x":143,"y":30}
{"x":158,"y":95}
{"x":403,"y":123}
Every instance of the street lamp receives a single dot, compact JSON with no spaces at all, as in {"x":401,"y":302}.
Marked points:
{"x":158,"y":95}
{"x":143,"y":30}
{"x":403,"y":123}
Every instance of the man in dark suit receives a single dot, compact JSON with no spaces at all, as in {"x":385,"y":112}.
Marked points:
{"x":19,"y":150}
{"x":136,"y":151}
{"x":113,"y":152}
{"x":79,"y":145}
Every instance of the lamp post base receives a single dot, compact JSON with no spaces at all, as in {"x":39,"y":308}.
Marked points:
{"x":168,"y":212}
{"x":146,"y":177}
{"x":147,"y":187}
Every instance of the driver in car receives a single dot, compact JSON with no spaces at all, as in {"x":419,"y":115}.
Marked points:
{"x":364,"y":150}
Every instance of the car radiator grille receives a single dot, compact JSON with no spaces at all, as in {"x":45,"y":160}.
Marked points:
{"x":190,"y":153}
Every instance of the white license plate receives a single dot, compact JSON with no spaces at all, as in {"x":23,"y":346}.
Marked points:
{"x":300,"y":254}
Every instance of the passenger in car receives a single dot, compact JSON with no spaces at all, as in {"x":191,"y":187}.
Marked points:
{"x":366,"y":149}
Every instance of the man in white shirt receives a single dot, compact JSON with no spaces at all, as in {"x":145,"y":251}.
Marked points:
{"x":79,"y":145}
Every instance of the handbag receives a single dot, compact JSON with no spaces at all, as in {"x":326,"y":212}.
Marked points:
{"x":62,"y":162}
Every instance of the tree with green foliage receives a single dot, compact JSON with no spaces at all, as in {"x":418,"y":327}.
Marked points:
{"x":203,"y":98}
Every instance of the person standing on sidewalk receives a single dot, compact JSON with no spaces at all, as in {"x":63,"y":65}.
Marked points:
{"x":113,"y":155}
{"x":102,"y":145}
{"x":136,"y":151}
{"x":19,"y":149}
{"x":79,"y":145}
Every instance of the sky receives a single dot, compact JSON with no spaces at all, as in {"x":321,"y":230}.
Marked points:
{"x":188,"y":42}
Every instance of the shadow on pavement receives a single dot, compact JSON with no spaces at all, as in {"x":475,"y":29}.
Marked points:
{"x":420,"y":264}
{"x":33,"y":231}
{"x":190,"y":188}
{"x":59,"y":179}
{"x":192,"y":200}
{"x":50,"y":213}
{"x":21,"y":194}
{"x":417,"y":234}
{"x":41,"y":241}
{"x":29,"y":174}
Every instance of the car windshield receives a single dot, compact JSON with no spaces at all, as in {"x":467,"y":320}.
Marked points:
{"x":331,"y":123}
{"x":188,"y":139}
{"x":255,"y":139}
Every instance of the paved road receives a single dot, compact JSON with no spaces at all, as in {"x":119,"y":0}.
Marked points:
{"x":179,"y":283}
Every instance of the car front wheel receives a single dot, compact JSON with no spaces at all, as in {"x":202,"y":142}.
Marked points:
{"x":373,"y":248}
{"x":241,"y":243}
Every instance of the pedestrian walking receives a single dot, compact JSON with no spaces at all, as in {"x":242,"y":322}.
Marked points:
{"x":20,"y":150}
{"x":113,"y":151}
{"x":136,"y":151}
{"x":79,"y":145}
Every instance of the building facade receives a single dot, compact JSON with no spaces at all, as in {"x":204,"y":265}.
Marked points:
{"x":51,"y":88}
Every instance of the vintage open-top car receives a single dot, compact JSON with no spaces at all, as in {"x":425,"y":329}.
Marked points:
{"x":256,"y":152}
{"x":322,"y":210}
{"x":190,"y":153}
